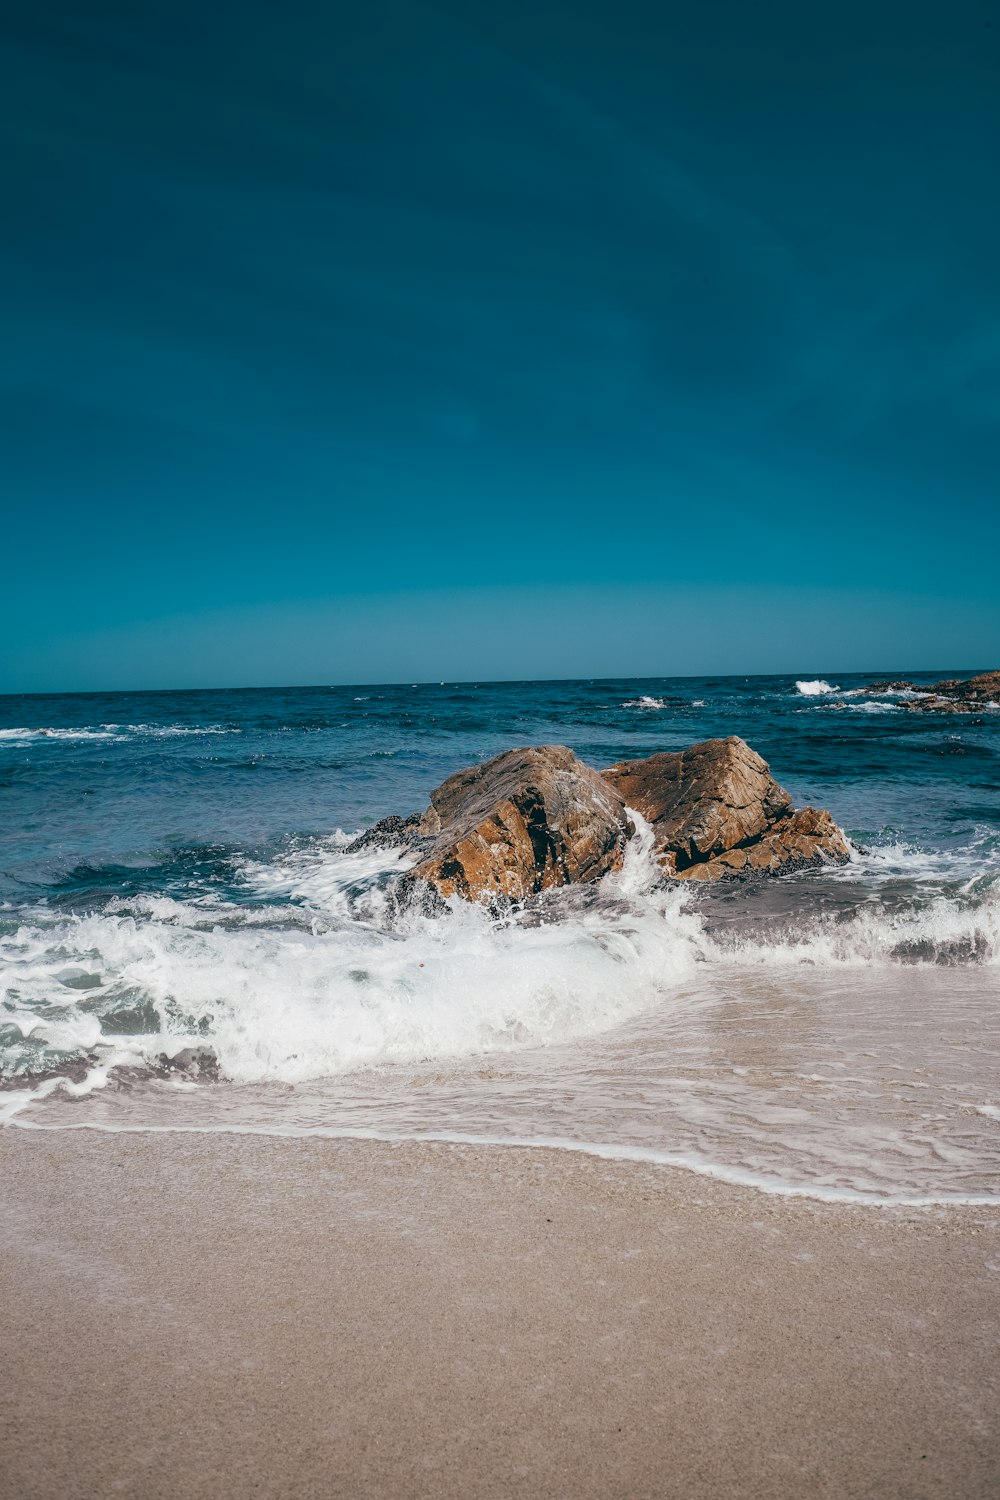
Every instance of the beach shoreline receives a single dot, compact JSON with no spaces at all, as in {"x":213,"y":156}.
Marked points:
{"x":223,"y":1315}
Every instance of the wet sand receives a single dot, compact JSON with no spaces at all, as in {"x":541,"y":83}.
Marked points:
{"x":228,"y":1316}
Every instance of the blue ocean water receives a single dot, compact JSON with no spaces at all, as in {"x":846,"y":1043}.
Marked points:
{"x":181,"y":929}
{"x":127,"y":792}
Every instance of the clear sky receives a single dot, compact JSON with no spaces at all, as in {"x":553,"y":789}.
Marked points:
{"x":382,"y":340}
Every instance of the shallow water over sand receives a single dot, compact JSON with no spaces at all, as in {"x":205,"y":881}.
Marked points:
{"x":872,"y":1085}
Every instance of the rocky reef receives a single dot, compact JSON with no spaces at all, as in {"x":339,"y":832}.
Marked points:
{"x":536,"y":818}
{"x":953,"y":696}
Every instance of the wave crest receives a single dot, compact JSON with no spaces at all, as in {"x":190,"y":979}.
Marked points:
{"x":316,"y":972}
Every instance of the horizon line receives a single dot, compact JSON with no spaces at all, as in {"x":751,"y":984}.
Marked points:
{"x":306,"y":687}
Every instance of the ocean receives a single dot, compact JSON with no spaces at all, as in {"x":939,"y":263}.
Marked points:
{"x":186,"y":945}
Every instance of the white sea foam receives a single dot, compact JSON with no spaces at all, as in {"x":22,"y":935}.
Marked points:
{"x":645,"y":702}
{"x":16,"y":1101}
{"x":801,"y":1057}
{"x":314,"y":978}
{"x":26,"y":735}
{"x":962,"y":870}
{"x":118,"y":733}
{"x":736,"y":1176}
{"x":902,"y":693}
{"x":338,"y":988}
{"x":169,"y":731}
{"x":940,"y":931}
{"x":815,"y":688}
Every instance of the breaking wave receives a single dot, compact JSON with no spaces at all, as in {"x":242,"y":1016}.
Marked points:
{"x":334,"y":981}
{"x":313,"y":971}
{"x":117,"y":733}
{"x":815,"y":688}
{"x":26,"y":736}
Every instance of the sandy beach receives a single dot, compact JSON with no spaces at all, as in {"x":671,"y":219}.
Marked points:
{"x":235,"y":1315}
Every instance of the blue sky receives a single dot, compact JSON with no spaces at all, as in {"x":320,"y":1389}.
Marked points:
{"x":405,"y":341}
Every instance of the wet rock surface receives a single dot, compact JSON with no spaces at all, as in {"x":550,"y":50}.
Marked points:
{"x":808,"y":837}
{"x":536,"y":818}
{"x":953,"y":695}
{"x":717,"y":812}
{"x":392,"y":832}
{"x":526,"y":821}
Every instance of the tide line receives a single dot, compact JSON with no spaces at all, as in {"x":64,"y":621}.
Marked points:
{"x":604,"y":1151}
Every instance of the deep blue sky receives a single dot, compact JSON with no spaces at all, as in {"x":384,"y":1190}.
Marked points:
{"x":391,"y":340}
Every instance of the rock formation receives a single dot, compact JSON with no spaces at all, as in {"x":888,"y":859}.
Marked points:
{"x":717,"y":812}
{"x":521,"y":823}
{"x":806,"y":837}
{"x":533,"y":819}
{"x":954,"y":695}
{"x":387,"y":833}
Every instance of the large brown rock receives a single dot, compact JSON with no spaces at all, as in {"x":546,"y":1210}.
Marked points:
{"x":521,"y":823}
{"x":804,"y":838}
{"x":717,"y":812}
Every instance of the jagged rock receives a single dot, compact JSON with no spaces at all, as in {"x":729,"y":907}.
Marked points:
{"x":953,"y":696}
{"x":524,"y":822}
{"x":940,"y":705}
{"x":801,"y":839}
{"x":978,"y":690}
{"x":717,"y":812}
{"x":536,"y":818}
{"x":388,"y":833}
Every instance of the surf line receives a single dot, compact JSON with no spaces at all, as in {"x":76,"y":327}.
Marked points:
{"x":648,"y":1155}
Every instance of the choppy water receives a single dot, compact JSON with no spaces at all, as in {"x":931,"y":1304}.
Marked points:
{"x":184,"y":942}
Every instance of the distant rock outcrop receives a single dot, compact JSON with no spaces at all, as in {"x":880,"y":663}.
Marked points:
{"x":717,"y":812}
{"x":953,"y":696}
{"x":524,"y":822}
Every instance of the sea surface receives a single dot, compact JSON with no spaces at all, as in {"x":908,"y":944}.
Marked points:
{"x":185,"y":944}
